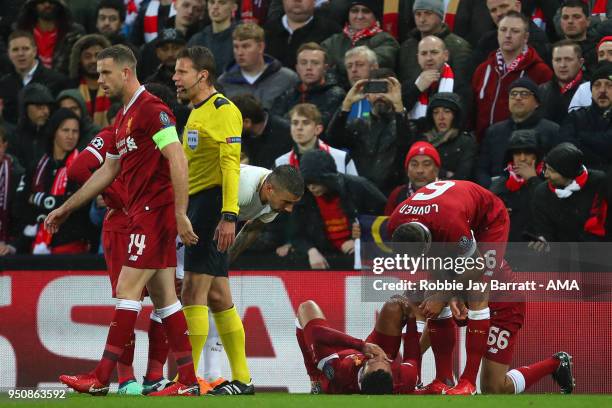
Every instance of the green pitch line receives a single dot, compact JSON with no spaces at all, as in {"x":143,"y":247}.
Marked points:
{"x":273,"y":400}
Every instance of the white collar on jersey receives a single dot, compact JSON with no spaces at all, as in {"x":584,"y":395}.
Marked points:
{"x":140,"y":90}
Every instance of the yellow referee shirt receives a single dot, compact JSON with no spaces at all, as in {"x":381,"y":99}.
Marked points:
{"x":211,"y":141}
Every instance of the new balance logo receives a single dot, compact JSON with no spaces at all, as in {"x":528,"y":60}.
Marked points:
{"x":133,"y":257}
{"x":493,"y":350}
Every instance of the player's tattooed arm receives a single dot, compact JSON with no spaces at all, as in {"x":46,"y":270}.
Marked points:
{"x":245,"y":238}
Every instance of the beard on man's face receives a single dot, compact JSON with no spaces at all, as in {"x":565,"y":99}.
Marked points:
{"x":382,"y":107}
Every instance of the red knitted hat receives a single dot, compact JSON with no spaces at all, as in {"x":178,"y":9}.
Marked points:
{"x":422,"y":148}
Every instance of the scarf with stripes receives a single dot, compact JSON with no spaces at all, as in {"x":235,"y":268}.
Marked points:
{"x":97,"y":111}
{"x":151,"y":24}
{"x":446,"y":83}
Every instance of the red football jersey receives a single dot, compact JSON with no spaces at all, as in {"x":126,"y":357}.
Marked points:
{"x":87,"y":162}
{"x":144,"y":171}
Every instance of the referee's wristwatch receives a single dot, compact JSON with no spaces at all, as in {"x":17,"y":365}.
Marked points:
{"x":229,"y":217}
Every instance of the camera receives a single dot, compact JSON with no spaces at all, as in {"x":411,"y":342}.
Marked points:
{"x":371,"y":87}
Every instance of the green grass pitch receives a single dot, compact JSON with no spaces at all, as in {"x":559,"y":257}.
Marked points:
{"x":272,"y":400}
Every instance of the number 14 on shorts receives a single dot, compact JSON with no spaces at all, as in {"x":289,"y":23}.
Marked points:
{"x":137,"y":242}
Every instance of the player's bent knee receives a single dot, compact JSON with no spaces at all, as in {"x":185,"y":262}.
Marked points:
{"x":219,"y":301}
{"x":493,"y":386}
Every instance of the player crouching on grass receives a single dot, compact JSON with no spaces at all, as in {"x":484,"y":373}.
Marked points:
{"x":340,"y":364}
{"x":465,"y":213}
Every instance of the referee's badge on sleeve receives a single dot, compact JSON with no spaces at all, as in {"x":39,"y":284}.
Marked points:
{"x":192,"y":139}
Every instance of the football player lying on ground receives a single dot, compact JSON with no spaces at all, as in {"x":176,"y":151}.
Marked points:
{"x":340,"y":364}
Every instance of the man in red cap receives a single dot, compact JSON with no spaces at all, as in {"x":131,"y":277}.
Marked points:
{"x":422,"y":166}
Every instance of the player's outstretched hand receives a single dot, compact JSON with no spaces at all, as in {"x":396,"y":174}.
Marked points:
{"x":56,"y":218}
{"x":185,"y":230}
{"x":225,"y":235}
{"x":372,"y":350}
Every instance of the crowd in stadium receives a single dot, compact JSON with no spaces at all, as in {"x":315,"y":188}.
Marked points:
{"x":370,"y":99}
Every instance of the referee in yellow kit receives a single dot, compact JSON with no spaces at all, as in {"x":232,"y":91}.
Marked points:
{"x":211,"y":141}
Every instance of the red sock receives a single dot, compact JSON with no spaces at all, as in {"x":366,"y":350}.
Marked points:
{"x":475,"y":344}
{"x":389,"y":344}
{"x":311,"y":367}
{"x":176,"y":331}
{"x":443,"y":337}
{"x":121,"y":329}
{"x":412,"y":348}
{"x":524,"y":377}
{"x":125,"y":371}
{"x":158,"y":351}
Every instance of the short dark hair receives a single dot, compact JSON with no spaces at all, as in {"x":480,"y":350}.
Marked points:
{"x":112,"y":4}
{"x":520,"y":16}
{"x":575,"y":4}
{"x":121,"y":54}
{"x":21,"y":34}
{"x":202,"y":59}
{"x":288,"y":178}
{"x":413,"y":232}
{"x":568,"y":43}
{"x":250,"y":107}
{"x":378,"y":382}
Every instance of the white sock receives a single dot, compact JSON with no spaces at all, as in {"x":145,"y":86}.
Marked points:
{"x":212,"y":352}
{"x":517,"y":378}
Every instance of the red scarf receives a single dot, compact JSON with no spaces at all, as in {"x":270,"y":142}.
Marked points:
{"x":45,"y":42}
{"x":600,"y":8}
{"x":131,"y":11}
{"x":504,"y":69}
{"x":97,"y":111}
{"x":575,"y":185}
{"x":151,"y":24}
{"x":515,"y":182}
{"x":446,"y":84}
{"x":293,"y":158}
{"x":335,"y":220}
{"x":449,"y":14}
{"x":58,"y":188}
{"x":571,"y":84}
{"x":391,"y":17}
{"x":368,"y":32}
{"x":596,"y":223}
{"x":5,"y":180}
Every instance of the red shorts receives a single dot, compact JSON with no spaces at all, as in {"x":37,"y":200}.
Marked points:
{"x":115,"y":244}
{"x":151,"y":240}
{"x":506,"y":321}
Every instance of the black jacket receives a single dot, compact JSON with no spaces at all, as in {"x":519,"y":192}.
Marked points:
{"x":378,"y":145}
{"x":491,"y":161}
{"x":554,"y":104}
{"x":12,"y":83}
{"x":327,"y":97}
{"x":591,"y":131}
{"x":283,"y":46}
{"x":275,"y":140}
{"x":357,"y":196}
{"x":519,"y":205}
{"x":220,"y":44}
{"x":562,"y":220}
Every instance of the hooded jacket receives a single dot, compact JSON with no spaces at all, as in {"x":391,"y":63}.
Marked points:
{"x":88,"y":129}
{"x":490,"y":88}
{"x":491,"y":161}
{"x":327,"y":96}
{"x":28,"y":143}
{"x":457,"y":148}
{"x":74,"y":69}
{"x":518,"y":202}
{"x":275,"y":80}
{"x":68,"y":31}
{"x":357,"y":196}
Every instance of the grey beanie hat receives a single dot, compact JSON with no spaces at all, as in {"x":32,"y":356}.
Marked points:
{"x":436,"y":6}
